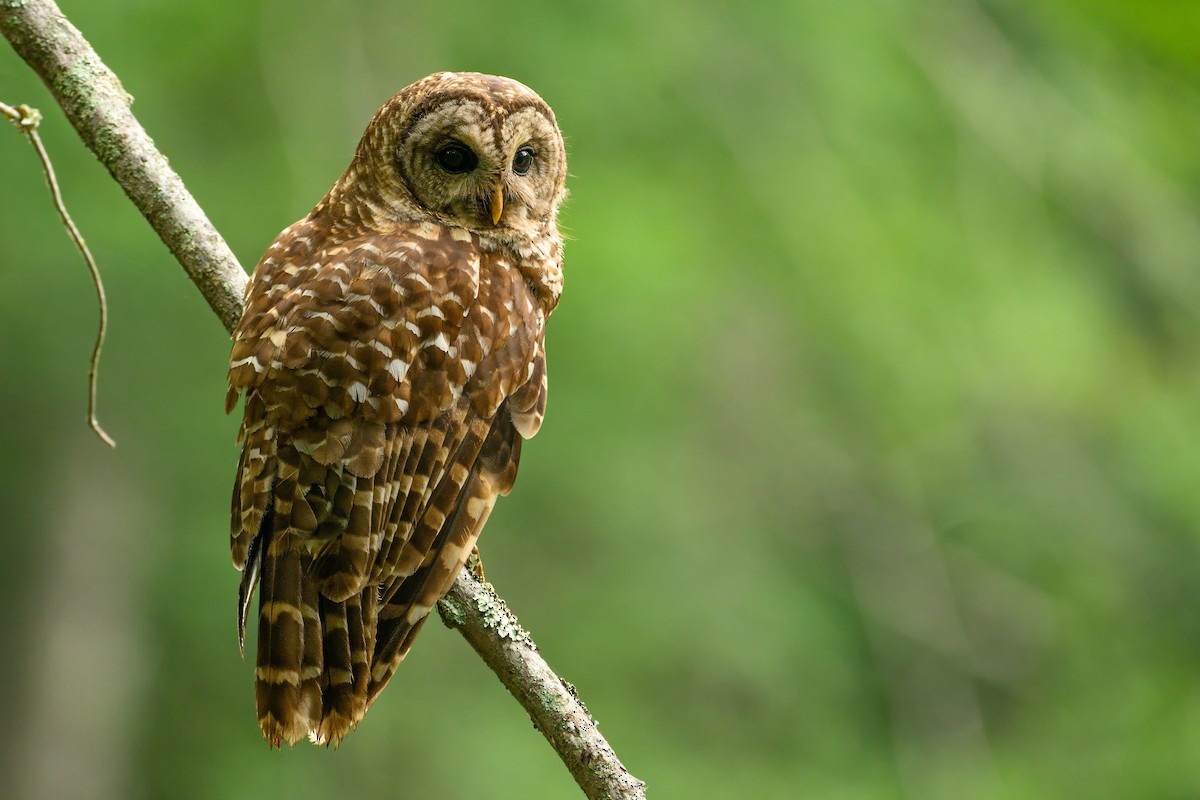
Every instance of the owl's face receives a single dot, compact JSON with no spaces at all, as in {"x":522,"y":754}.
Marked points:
{"x":477,"y":151}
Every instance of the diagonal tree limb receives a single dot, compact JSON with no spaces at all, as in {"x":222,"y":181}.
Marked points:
{"x":99,"y":108}
{"x":475,"y":610}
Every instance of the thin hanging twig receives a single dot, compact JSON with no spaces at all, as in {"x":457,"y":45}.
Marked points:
{"x":27,"y":119}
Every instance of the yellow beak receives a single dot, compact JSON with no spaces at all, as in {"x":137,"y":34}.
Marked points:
{"x":497,"y":202}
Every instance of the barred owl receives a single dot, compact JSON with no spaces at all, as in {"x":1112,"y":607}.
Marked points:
{"x":392,"y":358}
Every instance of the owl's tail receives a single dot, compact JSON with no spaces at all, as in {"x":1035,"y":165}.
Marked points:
{"x":312,"y":666}
{"x":286,"y":687}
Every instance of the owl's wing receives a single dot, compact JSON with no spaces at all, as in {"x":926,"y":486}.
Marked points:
{"x":376,"y":438}
{"x":475,"y":460}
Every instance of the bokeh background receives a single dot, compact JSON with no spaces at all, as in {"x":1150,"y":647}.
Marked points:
{"x":871,"y":459}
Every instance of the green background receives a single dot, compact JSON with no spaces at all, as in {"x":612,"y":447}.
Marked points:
{"x":870,"y":463}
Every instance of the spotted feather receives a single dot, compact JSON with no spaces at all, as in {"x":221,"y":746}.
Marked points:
{"x":391,"y":357}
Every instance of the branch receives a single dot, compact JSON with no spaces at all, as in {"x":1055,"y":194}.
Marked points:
{"x":475,"y":610}
{"x":99,"y":109}
{"x":27,"y":120}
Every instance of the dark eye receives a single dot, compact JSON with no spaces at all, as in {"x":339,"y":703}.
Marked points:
{"x":523,"y":160}
{"x":456,"y":159}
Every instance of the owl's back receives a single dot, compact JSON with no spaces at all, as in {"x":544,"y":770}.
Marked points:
{"x":388,"y":379}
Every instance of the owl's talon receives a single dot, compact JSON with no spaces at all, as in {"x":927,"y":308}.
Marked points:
{"x":475,"y":564}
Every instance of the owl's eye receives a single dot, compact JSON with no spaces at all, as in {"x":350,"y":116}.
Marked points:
{"x":523,"y":160}
{"x":456,"y":159}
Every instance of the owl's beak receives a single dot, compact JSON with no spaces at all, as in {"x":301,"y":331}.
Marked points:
{"x":497,"y":202}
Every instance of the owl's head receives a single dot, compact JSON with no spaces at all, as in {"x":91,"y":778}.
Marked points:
{"x":477,"y":151}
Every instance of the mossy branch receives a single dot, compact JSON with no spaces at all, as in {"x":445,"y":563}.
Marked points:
{"x":99,"y":108}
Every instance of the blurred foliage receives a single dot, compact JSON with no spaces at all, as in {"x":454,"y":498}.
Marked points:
{"x":870,"y":464}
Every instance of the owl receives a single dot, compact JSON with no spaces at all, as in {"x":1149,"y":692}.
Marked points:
{"x":392,"y":359}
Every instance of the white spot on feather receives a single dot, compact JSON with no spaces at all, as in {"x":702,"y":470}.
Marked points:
{"x":397,"y":369}
{"x":440,"y":342}
{"x":251,"y":360}
{"x":417,"y":277}
{"x":325,"y":315}
{"x":432,"y":311}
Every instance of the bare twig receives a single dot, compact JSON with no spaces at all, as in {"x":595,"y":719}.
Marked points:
{"x":98,"y":107}
{"x":27,"y":119}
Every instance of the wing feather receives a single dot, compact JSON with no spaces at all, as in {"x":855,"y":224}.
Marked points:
{"x":451,"y":524}
{"x":376,"y":437}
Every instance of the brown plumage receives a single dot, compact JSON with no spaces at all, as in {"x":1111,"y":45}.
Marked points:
{"x":392,"y":358}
